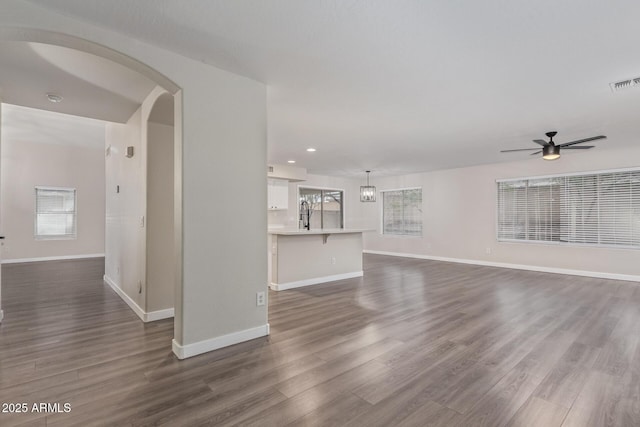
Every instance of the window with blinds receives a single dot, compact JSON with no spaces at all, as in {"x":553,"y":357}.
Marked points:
{"x":600,"y":209}
{"x":55,"y":213}
{"x":402,"y":212}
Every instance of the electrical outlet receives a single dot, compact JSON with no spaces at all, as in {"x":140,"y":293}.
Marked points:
{"x":488,"y":250}
{"x":260,"y":298}
{"x":333,"y":260}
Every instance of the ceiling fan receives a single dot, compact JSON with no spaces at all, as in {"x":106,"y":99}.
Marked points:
{"x":551,"y":151}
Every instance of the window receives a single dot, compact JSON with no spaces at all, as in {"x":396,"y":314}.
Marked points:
{"x":325,"y":207}
{"x":601,"y":209}
{"x":402,"y":212}
{"x":55,"y":213}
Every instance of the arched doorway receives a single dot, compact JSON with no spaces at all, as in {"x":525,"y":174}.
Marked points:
{"x":169,"y":91}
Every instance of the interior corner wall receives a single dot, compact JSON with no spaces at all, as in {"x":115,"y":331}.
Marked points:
{"x":459,"y":217}
{"x":224,"y":198}
{"x":133,"y":225}
{"x":29,"y":164}
{"x":160,"y":269}
{"x":1,"y":223}
{"x":124,"y":207}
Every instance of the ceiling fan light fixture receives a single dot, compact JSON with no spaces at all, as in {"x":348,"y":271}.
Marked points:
{"x":551,"y":152}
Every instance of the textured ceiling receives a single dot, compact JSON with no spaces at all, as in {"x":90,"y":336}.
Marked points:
{"x":404,"y":86}
{"x":90,"y":85}
{"x":47,"y":127}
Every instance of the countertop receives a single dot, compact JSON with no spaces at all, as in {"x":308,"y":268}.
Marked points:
{"x":297,"y":232}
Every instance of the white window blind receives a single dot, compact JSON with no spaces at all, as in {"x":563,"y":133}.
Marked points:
{"x":402,"y":212}
{"x":55,"y":213}
{"x":589,"y":209}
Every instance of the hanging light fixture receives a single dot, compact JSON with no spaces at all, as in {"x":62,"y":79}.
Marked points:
{"x":367,"y":192}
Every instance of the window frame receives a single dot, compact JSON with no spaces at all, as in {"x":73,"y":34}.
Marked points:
{"x":395,"y":235}
{"x":73,"y":236}
{"x":559,"y":243}
{"x":311,"y":187}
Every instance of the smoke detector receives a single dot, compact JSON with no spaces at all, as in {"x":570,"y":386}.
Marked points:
{"x":624,"y":84}
{"x":54,"y":97}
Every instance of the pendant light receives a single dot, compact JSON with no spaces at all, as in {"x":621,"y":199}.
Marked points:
{"x":367,"y":192}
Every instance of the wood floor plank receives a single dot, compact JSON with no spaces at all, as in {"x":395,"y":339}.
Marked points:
{"x":322,"y":395}
{"x":412,"y":343}
{"x":597,"y":403}
{"x":334,"y":413}
{"x":565,"y":381}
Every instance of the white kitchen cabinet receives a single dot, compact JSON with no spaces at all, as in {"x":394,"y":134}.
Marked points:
{"x":278,"y":194}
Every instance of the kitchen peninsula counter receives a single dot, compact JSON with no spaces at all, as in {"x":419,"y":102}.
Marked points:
{"x":308,"y":257}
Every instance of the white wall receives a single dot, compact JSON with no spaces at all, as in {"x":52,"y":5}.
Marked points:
{"x":459,"y":219}
{"x":1,"y":222}
{"x":221,"y":135}
{"x":124,"y":209}
{"x":27,"y":165}
{"x":160,"y":276}
{"x":140,"y":257}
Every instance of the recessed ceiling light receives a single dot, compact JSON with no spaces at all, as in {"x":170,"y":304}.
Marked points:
{"x":55,"y":98}
{"x":291,"y":161}
{"x":311,"y":150}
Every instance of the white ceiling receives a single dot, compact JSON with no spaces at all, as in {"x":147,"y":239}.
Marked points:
{"x":22,"y":124}
{"x":90,"y":85}
{"x":404,"y":86}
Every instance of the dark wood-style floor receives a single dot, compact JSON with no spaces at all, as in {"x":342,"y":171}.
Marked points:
{"x":414,"y":343}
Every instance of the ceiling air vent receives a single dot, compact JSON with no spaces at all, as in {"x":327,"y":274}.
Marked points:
{"x":624,"y":84}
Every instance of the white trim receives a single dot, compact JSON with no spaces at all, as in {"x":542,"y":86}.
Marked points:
{"x":599,"y":275}
{"x":315,"y":281}
{"x":45,"y":187}
{"x":143,"y":315}
{"x":126,"y":298}
{"x":1,"y":315}
{"x":189,"y":350}
{"x":401,"y":189}
{"x":570,"y":244}
{"x":152,"y":316}
{"x":51,"y":258}
{"x":557,"y":175}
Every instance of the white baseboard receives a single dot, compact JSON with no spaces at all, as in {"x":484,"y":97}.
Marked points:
{"x":51,"y":258}
{"x":190,"y":350}
{"x":126,"y":298}
{"x":143,"y":315}
{"x":152,"y":316}
{"x":314,"y":281}
{"x":584,"y":273}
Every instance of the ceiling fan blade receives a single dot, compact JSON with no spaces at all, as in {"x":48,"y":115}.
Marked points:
{"x":519,"y":149}
{"x":580,"y":141}
{"x":541,"y":142}
{"x":582,"y":147}
{"x":537,"y":152}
